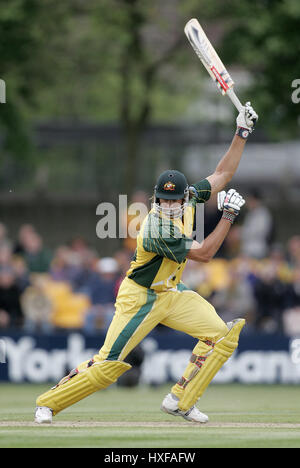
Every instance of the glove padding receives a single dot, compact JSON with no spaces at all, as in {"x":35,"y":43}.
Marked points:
{"x":247,"y":118}
{"x":231,"y":201}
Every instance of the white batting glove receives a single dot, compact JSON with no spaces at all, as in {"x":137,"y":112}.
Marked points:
{"x":230,"y":203}
{"x":246,"y":120}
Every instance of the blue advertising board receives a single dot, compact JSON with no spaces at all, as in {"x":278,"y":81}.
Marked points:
{"x":41,"y":358}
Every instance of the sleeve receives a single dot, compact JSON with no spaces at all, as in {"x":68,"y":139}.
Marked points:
{"x":202,"y":191}
{"x":166,"y":240}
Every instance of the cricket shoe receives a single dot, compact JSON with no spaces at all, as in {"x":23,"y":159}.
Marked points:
{"x":43,"y":415}
{"x":170,"y":406}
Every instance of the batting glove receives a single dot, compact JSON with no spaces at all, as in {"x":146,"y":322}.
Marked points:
{"x":246,"y":121}
{"x":230,"y":203}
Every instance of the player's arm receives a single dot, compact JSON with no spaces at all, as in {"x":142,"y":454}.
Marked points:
{"x":230,"y":203}
{"x":228,"y":165}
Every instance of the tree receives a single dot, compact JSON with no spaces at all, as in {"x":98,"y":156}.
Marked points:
{"x":263,"y":37}
{"x":28,"y":49}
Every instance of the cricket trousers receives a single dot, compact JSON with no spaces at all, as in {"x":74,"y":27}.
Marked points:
{"x":138,"y":311}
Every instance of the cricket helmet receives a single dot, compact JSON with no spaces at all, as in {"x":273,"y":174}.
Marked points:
{"x":171,"y":185}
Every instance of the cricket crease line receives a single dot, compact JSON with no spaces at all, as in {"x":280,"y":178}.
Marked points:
{"x":150,"y":424}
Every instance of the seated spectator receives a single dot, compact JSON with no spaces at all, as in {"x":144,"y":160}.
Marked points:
{"x":235,"y":299}
{"x":10,"y":306}
{"x":25,"y":231}
{"x":37,"y":310}
{"x":66,"y":266}
{"x":293,"y":290}
{"x":291,"y":316}
{"x":232,"y":243}
{"x":270,"y":294}
{"x":37,"y":257}
{"x":5,"y":253}
{"x":293,"y":251}
{"x":22,"y":274}
{"x":102,"y":294}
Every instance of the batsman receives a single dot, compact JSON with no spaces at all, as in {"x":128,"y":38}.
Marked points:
{"x":152,"y":291}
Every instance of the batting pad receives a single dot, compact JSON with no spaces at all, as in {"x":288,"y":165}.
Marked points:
{"x":97,"y":377}
{"x":220,"y":354}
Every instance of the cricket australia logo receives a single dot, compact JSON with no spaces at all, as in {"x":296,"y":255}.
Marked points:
{"x":169,"y":186}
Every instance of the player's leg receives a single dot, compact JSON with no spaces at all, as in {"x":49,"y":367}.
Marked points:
{"x":135,"y":317}
{"x":195,"y":316}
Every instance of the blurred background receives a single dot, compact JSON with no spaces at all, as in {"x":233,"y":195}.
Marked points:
{"x":101,"y":96}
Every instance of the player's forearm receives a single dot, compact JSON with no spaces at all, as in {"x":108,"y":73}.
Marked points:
{"x":206,"y":250}
{"x":231,"y":159}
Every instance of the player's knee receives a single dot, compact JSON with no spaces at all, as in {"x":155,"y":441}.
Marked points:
{"x":221,"y":330}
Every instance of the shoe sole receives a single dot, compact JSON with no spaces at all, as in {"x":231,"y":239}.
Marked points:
{"x":177,"y":413}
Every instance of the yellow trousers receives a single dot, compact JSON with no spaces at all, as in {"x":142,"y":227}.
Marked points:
{"x":139,"y":310}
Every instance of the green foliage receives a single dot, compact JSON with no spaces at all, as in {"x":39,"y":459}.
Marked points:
{"x":28,"y":31}
{"x":129,"y":61}
{"x":263,"y":36}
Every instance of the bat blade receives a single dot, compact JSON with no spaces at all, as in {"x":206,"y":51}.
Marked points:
{"x":210,"y":59}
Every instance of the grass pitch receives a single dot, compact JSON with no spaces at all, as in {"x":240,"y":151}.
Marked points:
{"x":240,"y":417}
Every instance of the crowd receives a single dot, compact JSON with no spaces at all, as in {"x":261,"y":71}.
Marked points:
{"x":72,"y":288}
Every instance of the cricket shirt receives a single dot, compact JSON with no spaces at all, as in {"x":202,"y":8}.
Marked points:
{"x":163,"y":244}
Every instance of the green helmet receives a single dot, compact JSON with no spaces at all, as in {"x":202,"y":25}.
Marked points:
{"x":171,"y":185}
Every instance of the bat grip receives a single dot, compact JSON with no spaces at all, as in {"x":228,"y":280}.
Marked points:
{"x":235,"y":100}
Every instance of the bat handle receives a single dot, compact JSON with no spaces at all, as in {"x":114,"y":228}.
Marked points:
{"x":235,"y":100}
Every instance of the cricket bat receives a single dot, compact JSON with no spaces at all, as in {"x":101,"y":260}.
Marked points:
{"x":211,"y":60}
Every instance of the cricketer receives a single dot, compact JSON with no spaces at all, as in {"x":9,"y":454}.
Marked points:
{"x":152,"y":291}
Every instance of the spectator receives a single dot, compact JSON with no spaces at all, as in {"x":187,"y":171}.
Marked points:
{"x":37,"y":257}
{"x":10,"y":305}
{"x":235,"y":299}
{"x":102,"y":293}
{"x":37,"y":310}
{"x":257,"y":229}
{"x":21,"y":271}
{"x":293,"y":290}
{"x":25,"y":231}
{"x":294,"y":251}
{"x":291,"y":316}
{"x":270,"y":295}
{"x":232,"y":244}
{"x":5,"y":253}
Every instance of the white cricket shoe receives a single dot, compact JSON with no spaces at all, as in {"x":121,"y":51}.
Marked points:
{"x":170,"y":406}
{"x":43,"y":415}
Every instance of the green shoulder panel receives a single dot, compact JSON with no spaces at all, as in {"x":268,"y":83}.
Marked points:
{"x":202,"y":191}
{"x":161,"y":237}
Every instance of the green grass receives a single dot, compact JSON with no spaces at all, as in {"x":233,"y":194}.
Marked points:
{"x":262,"y":413}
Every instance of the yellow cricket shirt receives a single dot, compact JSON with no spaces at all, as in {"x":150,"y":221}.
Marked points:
{"x":163,"y":244}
